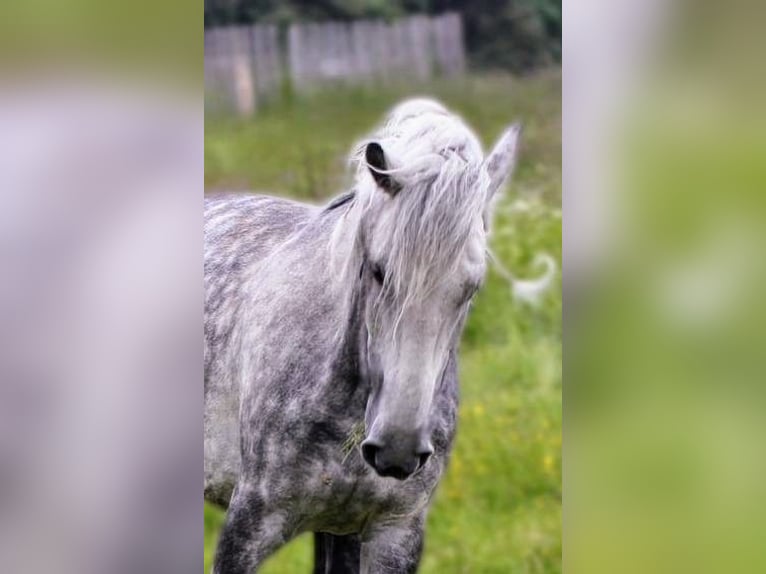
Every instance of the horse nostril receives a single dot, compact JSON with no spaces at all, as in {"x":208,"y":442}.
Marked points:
{"x":369,"y":450}
{"x":394,"y":462}
{"x":374,"y":455}
{"x":424,"y":452}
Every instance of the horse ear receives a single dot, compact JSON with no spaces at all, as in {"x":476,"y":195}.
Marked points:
{"x":502,"y":159}
{"x":378,"y":166}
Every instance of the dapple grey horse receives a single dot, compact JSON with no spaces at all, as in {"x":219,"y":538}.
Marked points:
{"x":331,"y":338}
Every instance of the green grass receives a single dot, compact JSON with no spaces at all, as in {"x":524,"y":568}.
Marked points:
{"x":498,"y":508}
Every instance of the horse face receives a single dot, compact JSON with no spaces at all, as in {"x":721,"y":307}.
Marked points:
{"x":407,"y":351}
{"x":416,"y":297}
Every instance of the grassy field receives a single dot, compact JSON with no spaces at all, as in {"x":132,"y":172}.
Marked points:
{"x":498,"y":509}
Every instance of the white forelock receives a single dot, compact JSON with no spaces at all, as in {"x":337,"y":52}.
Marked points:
{"x":437,"y":161}
{"x":418,"y":137}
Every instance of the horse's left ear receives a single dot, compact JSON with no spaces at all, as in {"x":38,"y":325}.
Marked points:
{"x":378,"y":166}
{"x":501,"y":160}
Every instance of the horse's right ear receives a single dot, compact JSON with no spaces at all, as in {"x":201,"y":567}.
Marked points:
{"x":499,"y":167}
{"x":502,"y":159}
{"x":378,"y":166}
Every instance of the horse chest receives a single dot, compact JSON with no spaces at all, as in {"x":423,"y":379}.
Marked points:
{"x":347,"y":499}
{"x":329,"y":488}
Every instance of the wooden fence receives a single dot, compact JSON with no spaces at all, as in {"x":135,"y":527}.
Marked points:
{"x":245,"y":65}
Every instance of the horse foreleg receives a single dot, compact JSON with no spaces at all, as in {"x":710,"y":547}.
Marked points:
{"x":250,"y":534}
{"x":394,"y":548}
{"x":336,"y":554}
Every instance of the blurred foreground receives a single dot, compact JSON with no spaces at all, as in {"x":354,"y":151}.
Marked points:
{"x":100,"y":306}
{"x":665,"y":174}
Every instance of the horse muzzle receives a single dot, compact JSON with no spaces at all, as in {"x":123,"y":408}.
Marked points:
{"x":397,"y":459}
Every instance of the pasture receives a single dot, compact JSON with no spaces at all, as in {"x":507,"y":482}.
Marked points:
{"x":498,"y":509}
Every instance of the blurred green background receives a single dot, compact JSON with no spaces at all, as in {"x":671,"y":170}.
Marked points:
{"x":498,"y":508}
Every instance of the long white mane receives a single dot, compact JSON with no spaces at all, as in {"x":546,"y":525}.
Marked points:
{"x":437,"y":161}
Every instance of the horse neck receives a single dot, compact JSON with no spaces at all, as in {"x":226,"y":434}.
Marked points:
{"x":345,"y":266}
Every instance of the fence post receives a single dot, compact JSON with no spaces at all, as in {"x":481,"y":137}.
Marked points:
{"x":228,"y":69}
{"x":264,"y":46}
{"x":360,"y":45}
{"x":242,"y":70}
{"x":418,"y":32}
{"x":448,"y":44}
{"x":295,"y":43}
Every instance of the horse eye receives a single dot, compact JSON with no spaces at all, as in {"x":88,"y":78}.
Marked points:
{"x":378,"y":274}
{"x":469,"y":292}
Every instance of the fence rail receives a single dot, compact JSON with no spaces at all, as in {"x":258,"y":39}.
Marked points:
{"x":245,"y":65}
